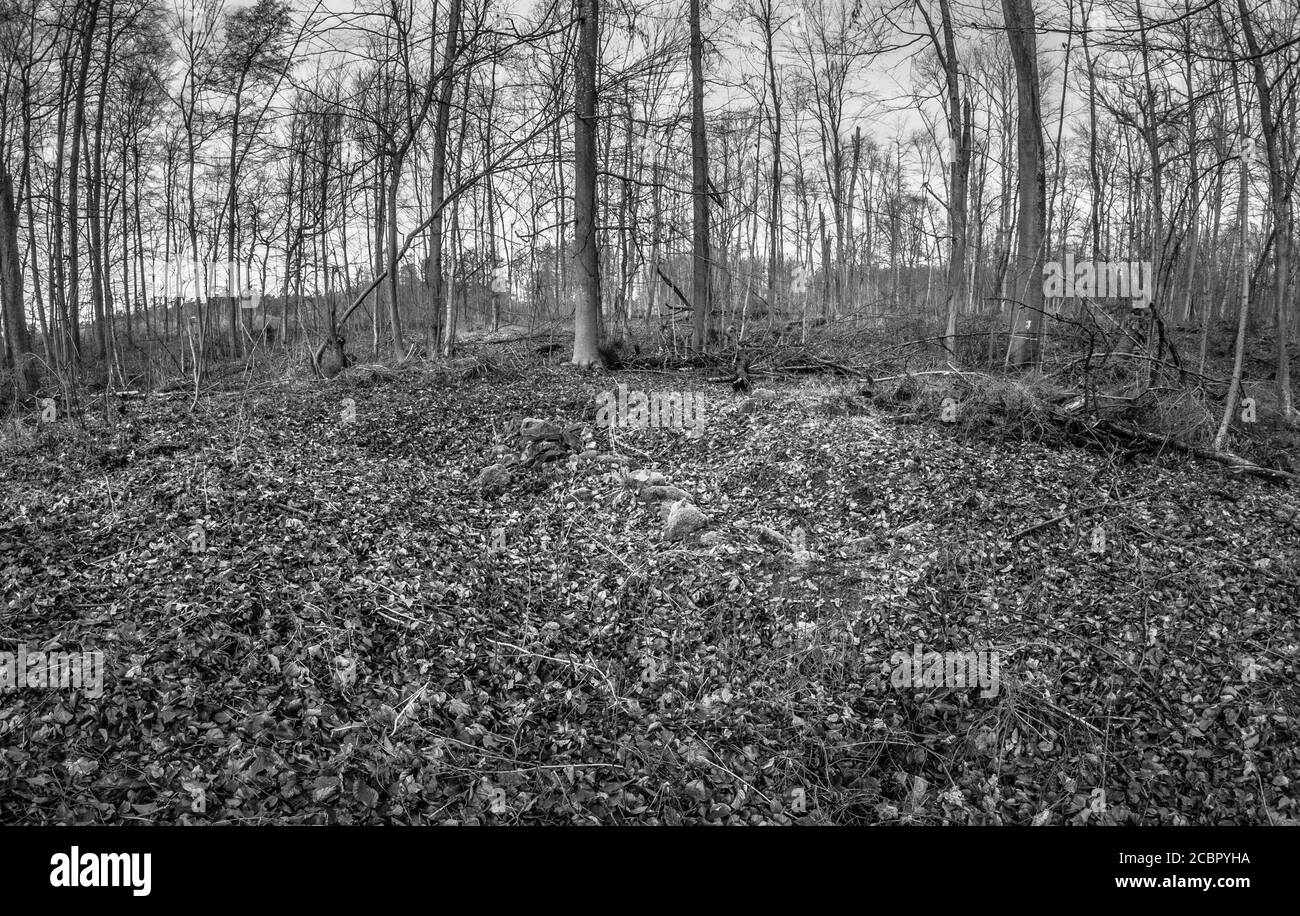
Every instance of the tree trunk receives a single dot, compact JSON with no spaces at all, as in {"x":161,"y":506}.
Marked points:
{"x":394,"y":303}
{"x":438,"y":179}
{"x":1027,"y":309}
{"x":774,"y":210}
{"x":700,"y":288}
{"x":18,"y":341}
{"x":1279,"y":201}
{"x":1243,"y":311}
{"x":959,"y":134}
{"x":74,"y":172}
{"x":586,"y":322}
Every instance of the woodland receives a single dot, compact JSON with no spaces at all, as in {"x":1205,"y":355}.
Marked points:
{"x":576,"y":412}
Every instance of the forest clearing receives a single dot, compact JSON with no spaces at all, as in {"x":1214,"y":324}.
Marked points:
{"x":330,"y":620}
{"x":675,"y":412}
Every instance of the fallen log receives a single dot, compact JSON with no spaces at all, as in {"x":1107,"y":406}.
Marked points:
{"x":673,"y":286}
{"x":1225,"y":458}
{"x":819,"y":365}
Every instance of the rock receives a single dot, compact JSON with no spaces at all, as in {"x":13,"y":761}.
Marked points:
{"x":344,"y":674}
{"x":765,"y":394}
{"x":583,"y":494}
{"x":661,"y":494}
{"x":683,"y":519}
{"x":1288,"y":516}
{"x":539,"y":429}
{"x":492,"y":479}
{"x":644,"y":478}
{"x":773,"y":537}
{"x":539,"y":441}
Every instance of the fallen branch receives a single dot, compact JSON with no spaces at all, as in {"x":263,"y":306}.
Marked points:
{"x":1064,"y":515}
{"x":673,"y":286}
{"x":1224,"y":458}
{"x":894,"y":378}
{"x":819,"y":365}
{"x":1056,"y":518}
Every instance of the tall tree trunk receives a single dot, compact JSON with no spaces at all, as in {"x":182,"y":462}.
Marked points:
{"x":701,"y":298}
{"x":438,"y":178}
{"x":1279,"y":201}
{"x":1094,"y":175}
{"x":394,"y":303}
{"x":233,"y":271}
{"x":959,"y":140}
{"x":377,"y":253}
{"x":74,"y":170}
{"x":25,"y":191}
{"x":774,"y":210}
{"x":458,"y":286}
{"x":1193,"y":166}
{"x":68,"y":343}
{"x":1027,"y":310}
{"x":586,"y":322}
{"x":1243,"y":310}
{"x":99,"y":287}
{"x":18,"y":341}
{"x":146,"y":296}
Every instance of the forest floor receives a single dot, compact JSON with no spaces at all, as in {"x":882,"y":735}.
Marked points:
{"x":310,"y":612}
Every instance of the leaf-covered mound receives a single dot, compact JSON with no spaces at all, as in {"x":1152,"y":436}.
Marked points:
{"x":310,"y":612}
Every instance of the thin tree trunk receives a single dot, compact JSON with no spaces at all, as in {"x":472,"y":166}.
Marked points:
{"x":438,"y":171}
{"x":587,"y":315}
{"x":701,"y":294}
{"x":1243,"y":310}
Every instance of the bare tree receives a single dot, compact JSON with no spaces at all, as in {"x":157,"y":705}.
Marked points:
{"x":701,"y":291}
{"x":586,"y":323}
{"x":959,"y":155}
{"x":1027,"y":308}
{"x":442,"y":121}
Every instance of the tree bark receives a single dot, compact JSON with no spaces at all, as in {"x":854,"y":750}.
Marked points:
{"x":438,"y":179}
{"x":1279,"y":201}
{"x":1243,"y":311}
{"x":1027,"y":309}
{"x":18,"y":340}
{"x":701,"y":293}
{"x":586,"y":322}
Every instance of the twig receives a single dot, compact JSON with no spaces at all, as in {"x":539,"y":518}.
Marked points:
{"x":1064,"y":515}
{"x":1225,"y":458}
{"x":609,"y":684}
